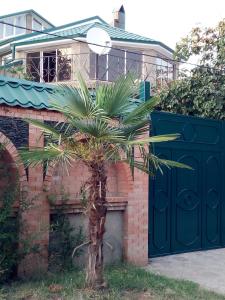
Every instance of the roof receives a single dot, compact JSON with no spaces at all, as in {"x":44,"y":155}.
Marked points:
{"x":24,"y":93}
{"x":34,"y":34}
{"x":31,"y":11}
{"x":80,"y":28}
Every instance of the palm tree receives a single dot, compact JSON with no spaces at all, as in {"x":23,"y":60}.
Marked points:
{"x":101,"y":126}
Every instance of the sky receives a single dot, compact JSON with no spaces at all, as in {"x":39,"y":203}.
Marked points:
{"x":164,"y":20}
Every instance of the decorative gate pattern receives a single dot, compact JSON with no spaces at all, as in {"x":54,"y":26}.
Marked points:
{"x":187,"y":208}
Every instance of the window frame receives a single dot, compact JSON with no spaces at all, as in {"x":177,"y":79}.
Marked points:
{"x":125,"y":71}
{"x":5,"y":37}
{"x":161,"y":64}
{"x":41,"y":58}
{"x":37,"y":21}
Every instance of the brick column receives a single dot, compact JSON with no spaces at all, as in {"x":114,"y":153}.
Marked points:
{"x":136,"y":221}
{"x":35,"y":216}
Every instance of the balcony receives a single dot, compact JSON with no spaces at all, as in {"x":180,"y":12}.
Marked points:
{"x":52,"y":68}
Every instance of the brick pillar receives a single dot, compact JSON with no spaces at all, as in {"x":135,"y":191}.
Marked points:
{"x":136,"y":214}
{"x":35,"y":216}
{"x":136,"y":221}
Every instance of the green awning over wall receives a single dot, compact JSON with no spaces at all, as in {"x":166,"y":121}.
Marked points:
{"x":24,"y":93}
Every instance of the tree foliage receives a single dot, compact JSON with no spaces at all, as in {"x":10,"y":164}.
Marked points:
{"x":201,"y":90}
{"x":101,"y":126}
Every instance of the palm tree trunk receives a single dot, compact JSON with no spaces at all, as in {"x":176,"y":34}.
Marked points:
{"x":97,"y":210}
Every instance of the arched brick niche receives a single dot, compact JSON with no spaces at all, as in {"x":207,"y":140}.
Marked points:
{"x":8,"y":174}
{"x":9,"y":157}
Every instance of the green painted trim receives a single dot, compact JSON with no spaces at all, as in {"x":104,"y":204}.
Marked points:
{"x":27,"y":12}
{"x":7,"y":41}
{"x":145,"y":90}
{"x":46,"y":40}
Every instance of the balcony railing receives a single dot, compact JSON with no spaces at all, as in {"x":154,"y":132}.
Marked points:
{"x":64,"y":68}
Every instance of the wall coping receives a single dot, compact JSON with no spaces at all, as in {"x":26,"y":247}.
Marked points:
{"x":114,"y":204}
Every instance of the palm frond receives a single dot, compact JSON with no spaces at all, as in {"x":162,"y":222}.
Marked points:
{"x":173,"y":164}
{"x":141,"y":112}
{"x":48,"y":129}
{"x":154,"y":139}
{"x":50,"y":154}
{"x":98,"y":129}
{"x":75,"y":102}
{"x":135,"y":130}
{"x":114,"y":99}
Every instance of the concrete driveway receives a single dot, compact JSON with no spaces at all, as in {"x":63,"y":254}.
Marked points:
{"x":206,"y":268}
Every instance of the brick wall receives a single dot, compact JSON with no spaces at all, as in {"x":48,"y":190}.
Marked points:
{"x":123,"y":193}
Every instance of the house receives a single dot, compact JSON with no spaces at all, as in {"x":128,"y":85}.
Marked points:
{"x":182,"y":211}
{"x":57,"y":54}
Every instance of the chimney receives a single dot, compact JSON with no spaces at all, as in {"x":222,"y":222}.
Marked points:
{"x":119,"y":18}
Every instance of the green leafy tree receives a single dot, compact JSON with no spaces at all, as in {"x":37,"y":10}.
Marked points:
{"x":201,"y":91}
{"x":100,"y":127}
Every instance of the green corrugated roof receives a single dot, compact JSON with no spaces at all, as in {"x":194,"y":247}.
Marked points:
{"x":29,"y":94}
{"x":114,"y":33}
{"x":24,"y":93}
{"x":77,"y":29}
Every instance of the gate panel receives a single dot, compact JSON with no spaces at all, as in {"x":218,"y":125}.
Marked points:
{"x":187,"y":208}
{"x":212,"y":200}
{"x":160,"y":211}
{"x":186,"y":203}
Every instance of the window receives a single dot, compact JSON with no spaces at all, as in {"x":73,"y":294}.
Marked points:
{"x":50,"y":66}
{"x":33,"y":66}
{"x":1,"y":30}
{"x":9,"y":30}
{"x":20,"y":21}
{"x":116,"y":63}
{"x":164,"y":70}
{"x":64,"y":64}
{"x":134,"y":63}
{"x":98,"y":66}
{"x":36,"y":25}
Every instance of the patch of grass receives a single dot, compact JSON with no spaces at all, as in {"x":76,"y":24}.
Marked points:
{"x":124,"y":282}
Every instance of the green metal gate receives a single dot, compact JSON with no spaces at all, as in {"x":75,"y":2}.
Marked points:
{"x":187,"y":208}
